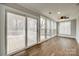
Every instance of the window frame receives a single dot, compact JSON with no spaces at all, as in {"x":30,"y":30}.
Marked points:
{"x":44,"y":28}
{"x":47,"y":29}
{"x":36,"y":31}
{"x":64,"y":23}
{"x":7,"y":11}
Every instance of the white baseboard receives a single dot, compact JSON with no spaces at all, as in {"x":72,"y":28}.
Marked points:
{"x":70,"y":36}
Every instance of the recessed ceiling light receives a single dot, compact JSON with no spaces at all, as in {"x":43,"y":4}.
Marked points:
{"x":58,"y":12}
{"x":58,"y":9}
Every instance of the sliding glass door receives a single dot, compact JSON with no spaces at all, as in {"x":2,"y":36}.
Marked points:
{"x":31,"y":31}
{"x":42,"y":29}
{"x":15,"y":32}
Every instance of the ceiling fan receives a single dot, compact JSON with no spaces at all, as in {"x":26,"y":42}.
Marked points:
{"x":64,"y":17}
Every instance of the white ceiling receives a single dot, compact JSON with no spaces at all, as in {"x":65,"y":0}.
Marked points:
{"x":66,"y":9}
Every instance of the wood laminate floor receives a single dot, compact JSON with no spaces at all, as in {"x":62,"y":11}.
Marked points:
{"x":57,"y":46}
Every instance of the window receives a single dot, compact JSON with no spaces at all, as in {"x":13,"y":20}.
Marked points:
{"x":42,"y":28}
{"x":52,"y":28}
{"x":15,"y":32}
{"x":48,"y":29}
{"x":65,"y":28}
{"x":31,"y":31}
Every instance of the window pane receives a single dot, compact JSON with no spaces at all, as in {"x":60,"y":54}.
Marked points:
{"x":15,"y":32}
{"x":31,"y":31}
{"x":42,"y":29}
{"x":61,"y":28}
{"x":65,"y":28}
{"x":48,"y":29}
{"x":52,"y":28}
